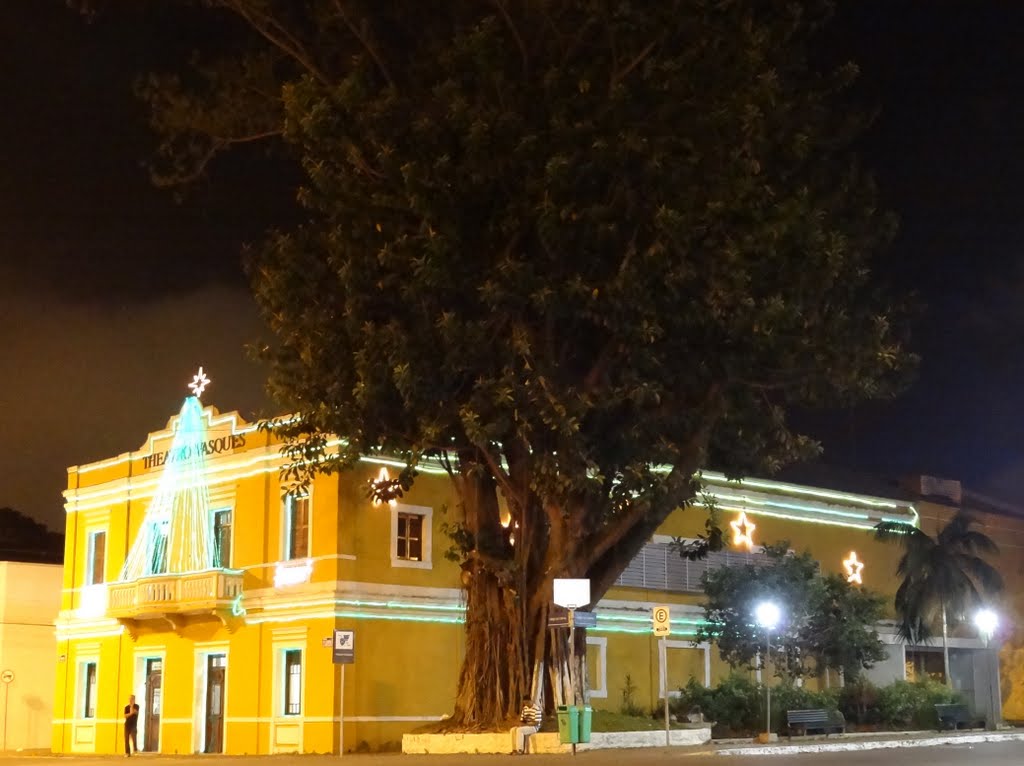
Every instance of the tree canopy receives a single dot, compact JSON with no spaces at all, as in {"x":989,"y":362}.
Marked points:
{"x":826,"y":622}
{"x":573,"y":249}
{"x":22,"y":538}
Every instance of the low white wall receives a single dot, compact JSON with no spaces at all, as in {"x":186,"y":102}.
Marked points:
{"x":547,"y":742}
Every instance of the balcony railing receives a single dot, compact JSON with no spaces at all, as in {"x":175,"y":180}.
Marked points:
{"x":166,"y":595}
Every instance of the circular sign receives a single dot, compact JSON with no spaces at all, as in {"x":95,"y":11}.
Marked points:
{"x":7,"y":676}
{"x":661,"y":614}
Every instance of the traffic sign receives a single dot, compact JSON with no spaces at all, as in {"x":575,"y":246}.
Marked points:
{"x":572,"y":618}
{"x":660,"y":615}
{"x":344,"y":647}
{"x":7,"y":676}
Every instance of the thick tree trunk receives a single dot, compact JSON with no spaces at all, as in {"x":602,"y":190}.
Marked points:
{"x":496,"y":672}
{"x":511,"y":653}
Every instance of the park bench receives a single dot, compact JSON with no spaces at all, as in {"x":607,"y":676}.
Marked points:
{"x":952,"y":716}
{"x":804,"y":721}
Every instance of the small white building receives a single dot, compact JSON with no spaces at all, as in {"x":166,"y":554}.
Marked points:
{"x":29,"y":603}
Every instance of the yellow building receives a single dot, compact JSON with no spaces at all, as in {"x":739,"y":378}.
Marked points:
{"x":194,"y":584}
{"x":29,"y":600}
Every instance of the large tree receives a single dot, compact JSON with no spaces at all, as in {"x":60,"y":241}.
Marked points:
{"x":941,"y":577}
{"x":573,"y":249}
{"x":827,"y":623}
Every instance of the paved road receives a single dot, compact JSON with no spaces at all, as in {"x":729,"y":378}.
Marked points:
{"x":991,"y":754}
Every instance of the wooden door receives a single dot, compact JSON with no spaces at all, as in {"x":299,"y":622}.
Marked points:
{"x":216,"y":665}
{"x":154,"y":698}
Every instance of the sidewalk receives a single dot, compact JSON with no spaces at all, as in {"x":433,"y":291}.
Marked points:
{"x":837,"y":743}
{"x":648,"y":755}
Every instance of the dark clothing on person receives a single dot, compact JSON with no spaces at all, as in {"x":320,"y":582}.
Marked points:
{"x":131,"y":729}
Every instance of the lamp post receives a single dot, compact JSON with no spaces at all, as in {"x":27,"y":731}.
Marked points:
{"x":767,"y":614}
{"x":986,"y":620}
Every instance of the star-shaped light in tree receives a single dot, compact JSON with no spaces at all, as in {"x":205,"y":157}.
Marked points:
{"x":853,"y":568}
{"x":743,"y":531}
{"x":199,"y":383}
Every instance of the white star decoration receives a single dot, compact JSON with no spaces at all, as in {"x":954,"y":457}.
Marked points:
{"x":743,"y":531}
{"x":853,"y":568}
{"x":199,"y":383}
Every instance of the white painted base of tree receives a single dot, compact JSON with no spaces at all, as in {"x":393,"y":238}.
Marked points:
{"x":547,"y":742}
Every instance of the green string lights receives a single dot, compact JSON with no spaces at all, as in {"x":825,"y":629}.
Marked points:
{"x":176,"y":535}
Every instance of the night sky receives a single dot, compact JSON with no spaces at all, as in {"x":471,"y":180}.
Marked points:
{"x":112,"y":292}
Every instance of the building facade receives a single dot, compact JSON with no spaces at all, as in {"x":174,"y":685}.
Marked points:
{"x":195,"y":584}
{"x":29,"y":601}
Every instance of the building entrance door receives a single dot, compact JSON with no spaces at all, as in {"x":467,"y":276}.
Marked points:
{"x":216,"y":666}
{"x":154,"y":698}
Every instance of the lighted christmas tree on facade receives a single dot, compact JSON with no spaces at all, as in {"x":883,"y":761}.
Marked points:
{"x":176,"y":536}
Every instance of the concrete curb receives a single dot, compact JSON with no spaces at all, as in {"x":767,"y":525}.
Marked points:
{"x":838,"y":747}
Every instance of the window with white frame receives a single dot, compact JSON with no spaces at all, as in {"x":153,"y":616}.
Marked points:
{"x":597,"y":666}
{"x":292,"y":682}
{"x":296,"y":527}
{"x":679,"y":661}
{"x":96,"y":554}
{"x":411,"y":536}
{"x":222,"y":538}
{"x":87,"y":682}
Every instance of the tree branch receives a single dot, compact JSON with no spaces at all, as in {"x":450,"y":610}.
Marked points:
{"x":365,"y":42}
{"x":277,"y":35}
{"x":617,"y":77}
{"x":515,"y":33}
{"x":680,"y":475}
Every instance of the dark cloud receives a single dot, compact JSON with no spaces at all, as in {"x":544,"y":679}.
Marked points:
{"x":81,"y":383}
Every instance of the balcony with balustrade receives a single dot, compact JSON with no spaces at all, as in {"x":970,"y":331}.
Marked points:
{"x":173,"y":597}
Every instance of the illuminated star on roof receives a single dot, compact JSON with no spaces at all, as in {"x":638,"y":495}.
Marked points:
{"x":853,"y":568}
{"x":199,"y":383}
{"x":743,"y":531}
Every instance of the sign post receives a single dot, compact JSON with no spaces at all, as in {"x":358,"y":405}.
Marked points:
{"x":572,"y":594}
{"x":660,"y":617}
{"x":343,"y":653}
{"x":6,"y":677}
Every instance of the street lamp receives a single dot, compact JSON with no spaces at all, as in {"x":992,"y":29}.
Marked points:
{"x":767,"y":614}
{"x":986,"y":620}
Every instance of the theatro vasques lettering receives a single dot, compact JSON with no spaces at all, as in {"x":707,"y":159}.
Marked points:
{"x":208,"y":447}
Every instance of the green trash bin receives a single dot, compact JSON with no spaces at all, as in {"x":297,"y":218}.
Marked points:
{"x":586,"y":713}
{"x":568,"y":724}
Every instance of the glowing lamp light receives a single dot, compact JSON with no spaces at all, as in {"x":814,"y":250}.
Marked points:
{"x":743,"y":531}
{"x":290,"y":573}
{"x":199,"y":383}
{"x":853,"y":569}
{"x":767,"y":614}
{"x":986,"y":621}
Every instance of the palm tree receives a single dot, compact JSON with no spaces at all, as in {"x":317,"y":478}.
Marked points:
{"x":942,"y":576}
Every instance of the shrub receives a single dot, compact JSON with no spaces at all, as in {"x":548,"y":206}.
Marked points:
{"x":735,"y":704}
{"x":789,"y":697}
{"x":858,"y":701}
{"x":629,"y":706}
{"x":904,"y":704}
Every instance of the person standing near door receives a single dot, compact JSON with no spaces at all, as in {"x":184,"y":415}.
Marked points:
{"x":131,"y":727}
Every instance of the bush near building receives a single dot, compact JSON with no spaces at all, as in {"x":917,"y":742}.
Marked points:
{"x":736,"y":705}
